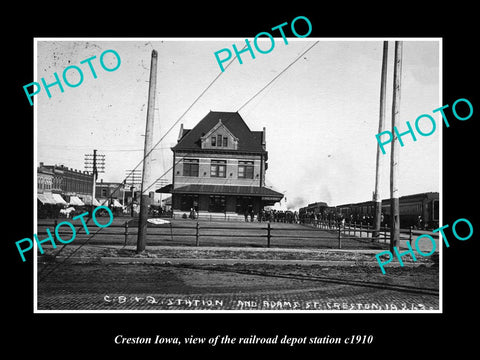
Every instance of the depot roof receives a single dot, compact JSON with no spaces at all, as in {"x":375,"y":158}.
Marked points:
{"x":248,"y":141}
{"x":262,"y":191}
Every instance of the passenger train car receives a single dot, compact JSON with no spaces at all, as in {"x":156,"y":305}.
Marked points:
{"x":420,"y":211}
{"x":312,"y":211}
{"x":424,"y":206}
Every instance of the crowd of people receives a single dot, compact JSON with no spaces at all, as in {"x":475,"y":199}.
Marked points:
{"x":296,"y":217}
{"x":330,"y":215}
{"x":272,"y":216}
{"x":358,"y":219}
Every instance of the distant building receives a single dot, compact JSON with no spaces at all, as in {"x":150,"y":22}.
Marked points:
{"x":48,"y":206}
{"x":44,"y":180}
{"x":219,"y":168}
{"x":167,"y":203}
{"x":75,"y":186}
{"x":109,"y":190}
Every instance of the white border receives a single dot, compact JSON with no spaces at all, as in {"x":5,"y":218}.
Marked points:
{"x":309,"y":39}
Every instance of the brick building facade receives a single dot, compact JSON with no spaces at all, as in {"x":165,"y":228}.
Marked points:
{"x":68,"y":182}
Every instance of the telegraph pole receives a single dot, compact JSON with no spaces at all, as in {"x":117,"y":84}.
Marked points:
{"x":94,"y":177}
{"x":394,"y":202}
{"x":134,"y":178}
{"x":376,"y":195}
{"x":97,"y":164}
{"x":147,"y":154}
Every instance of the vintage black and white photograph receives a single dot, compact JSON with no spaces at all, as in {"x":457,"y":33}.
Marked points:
{"x":266,"y":174}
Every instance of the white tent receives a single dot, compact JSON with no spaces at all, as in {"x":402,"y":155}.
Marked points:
{"x":58,"y":199}
{"x":87,"y":200}
{"x":75,"y":201}
{"x":116,"y":203}
{"x":46,"y":198}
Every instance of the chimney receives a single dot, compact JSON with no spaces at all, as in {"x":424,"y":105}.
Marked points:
{"x":264,"y":141}
{"x":180,"y":134}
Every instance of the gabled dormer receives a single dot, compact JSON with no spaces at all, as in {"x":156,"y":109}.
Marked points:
{"x":229,"y":125}
{"x":219,"y":137}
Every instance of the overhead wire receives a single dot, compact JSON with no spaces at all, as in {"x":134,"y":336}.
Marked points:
{"x":166,"y":133}
{"x":276,"y":77}
{"x":141,"y":161}
{"x":183,"y":114}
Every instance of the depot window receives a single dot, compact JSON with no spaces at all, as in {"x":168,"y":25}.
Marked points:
{"x":245,"y":169}
{"x":190,"y":167}
{"x":188,"y":202}
{"x":218,"y":168}
{"x":216,"y":203}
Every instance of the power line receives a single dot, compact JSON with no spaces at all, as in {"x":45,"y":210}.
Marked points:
{"x":131,"y":150}
{"x":276,"y":77}
{"x":167,"y":171}
{"x":99,"y":149}
{"x":132,"y":171}
{"x":185,"y":112}
{"x":176,"y":122}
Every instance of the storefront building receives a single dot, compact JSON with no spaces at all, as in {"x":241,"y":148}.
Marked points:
{"x":74,"y":186}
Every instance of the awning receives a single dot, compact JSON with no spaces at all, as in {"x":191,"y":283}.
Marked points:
{"x":116,"y":203}
{"x":87,"y":200}
{"x":265,"y":193}
{"x":58,"y":199}
{"x":76,"y":201}
{"x":167,"y":189}
{"x":46,"y":199}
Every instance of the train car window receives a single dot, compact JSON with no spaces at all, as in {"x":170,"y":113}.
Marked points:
{"x":435,"y":209}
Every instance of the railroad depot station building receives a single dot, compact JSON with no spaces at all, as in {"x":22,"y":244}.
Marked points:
{"x":219,"y":169}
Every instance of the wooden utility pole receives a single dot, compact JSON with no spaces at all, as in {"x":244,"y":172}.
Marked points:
{"x":394,"y":202}
{"x":147,"y":154}
{"x":376,"y":195}
{"x":96,"y":163}
{"x":95,"y":174}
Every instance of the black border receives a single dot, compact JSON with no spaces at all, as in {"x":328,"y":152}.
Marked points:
{"x":60,"y":335}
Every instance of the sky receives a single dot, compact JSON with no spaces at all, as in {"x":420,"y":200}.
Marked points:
{"x":321,"y":114}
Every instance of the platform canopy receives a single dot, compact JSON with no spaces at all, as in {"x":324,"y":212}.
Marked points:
{"x":167,"y":189}
{"x":256,"y":191}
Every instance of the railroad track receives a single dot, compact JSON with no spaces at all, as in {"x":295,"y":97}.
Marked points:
{"x":324,"y":279}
